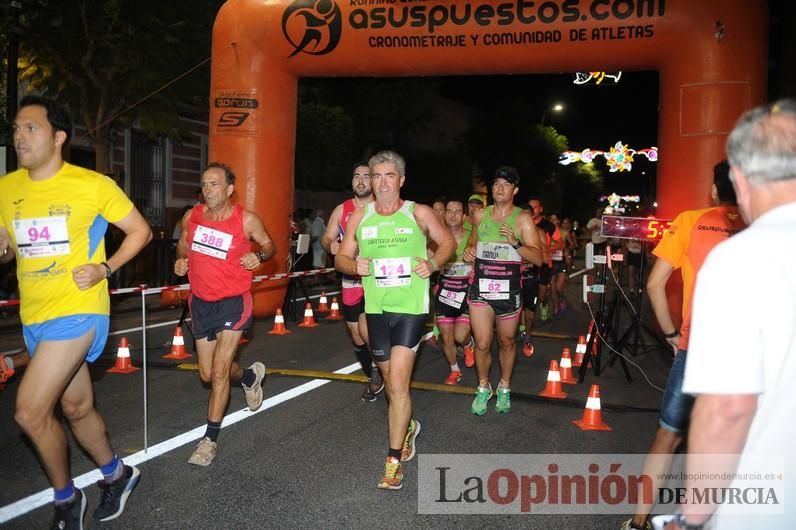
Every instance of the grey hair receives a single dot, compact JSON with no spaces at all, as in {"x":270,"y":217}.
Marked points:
{"x":763,"y":142}
{"x":388,"y":156}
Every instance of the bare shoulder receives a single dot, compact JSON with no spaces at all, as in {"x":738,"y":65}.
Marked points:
{"x":423,"y":209}
{"x":524,"y":217}
{"x":337,"y":213}
{"x":249,"y":216}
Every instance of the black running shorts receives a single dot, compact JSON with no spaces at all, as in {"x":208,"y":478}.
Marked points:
{"x":386,"y":330}
{"x":208,"y":319}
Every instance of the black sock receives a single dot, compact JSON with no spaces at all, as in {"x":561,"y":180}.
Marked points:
{"x":364,"y":358}
{"x":395,"y":453}
{"x":248,"y":377}
{"x":213,"y":428}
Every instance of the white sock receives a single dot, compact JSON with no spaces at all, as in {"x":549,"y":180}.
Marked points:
{"x":9,"y":362}
{"x":455,"y":367}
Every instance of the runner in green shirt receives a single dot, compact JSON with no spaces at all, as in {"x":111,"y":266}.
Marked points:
{"x":503,"y":235}
{"x":385,"y":244}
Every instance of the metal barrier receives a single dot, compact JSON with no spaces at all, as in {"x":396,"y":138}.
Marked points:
{"x":145,"y":290}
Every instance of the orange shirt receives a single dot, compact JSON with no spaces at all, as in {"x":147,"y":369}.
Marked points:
{"x":687,"y":243}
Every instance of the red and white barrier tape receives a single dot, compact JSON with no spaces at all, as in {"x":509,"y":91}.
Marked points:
{"x":187,"y":286}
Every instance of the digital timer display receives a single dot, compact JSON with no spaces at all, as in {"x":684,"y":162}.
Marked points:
{"x":642,"y":228}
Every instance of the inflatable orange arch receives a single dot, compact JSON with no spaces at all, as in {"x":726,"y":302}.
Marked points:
{"x":711,"y":57}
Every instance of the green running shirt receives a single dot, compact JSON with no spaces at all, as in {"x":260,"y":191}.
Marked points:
{"x":393,"y":242}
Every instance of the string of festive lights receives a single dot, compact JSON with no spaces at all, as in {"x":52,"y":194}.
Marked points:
{"x":615,"y":202}
{"x":581,"y":78}
{"x":620,"y":157}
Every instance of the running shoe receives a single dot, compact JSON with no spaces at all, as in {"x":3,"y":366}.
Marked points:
{"x":454,"y":378}
{"x":408,"y":450}
{"x":204,"y":453}
{"x":503,"y":400}
{"x":630,"y":525}
{"x":527,"y":345}
{"x":469,"y":354}
{"x":393,"y":474}
{"x":254,"y":393}
{"x":544,"y":312}
{"x":482,"y":396}
{"x":113,"y":496}
{"x":375,"y":381}
{"x":69,"y":516}
{"x":367,"y":395}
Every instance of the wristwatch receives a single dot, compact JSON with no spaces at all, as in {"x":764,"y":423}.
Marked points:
{"x":517,"y":245}
{"x":260,"y":255}
{"x":679,"y":519}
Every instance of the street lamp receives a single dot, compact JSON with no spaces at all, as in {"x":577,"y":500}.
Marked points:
{"x":556,"y":108}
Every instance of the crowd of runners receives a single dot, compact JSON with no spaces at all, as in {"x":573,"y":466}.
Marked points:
{"x":475,"y":268}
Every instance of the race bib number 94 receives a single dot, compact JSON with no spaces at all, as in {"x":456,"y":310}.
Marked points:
{"x":211,"y":242}
{"x":392,"y":272}
{"x":42,"y":237}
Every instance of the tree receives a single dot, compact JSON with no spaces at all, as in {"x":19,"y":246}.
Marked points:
{"x":102,"y":57}
{"x":510,"y":135}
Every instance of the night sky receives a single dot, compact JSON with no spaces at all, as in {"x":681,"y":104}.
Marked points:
{"x":594,"y":116}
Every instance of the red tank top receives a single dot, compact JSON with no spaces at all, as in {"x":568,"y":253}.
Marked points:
{"x":215,"y":250}
{"x":348,"y":208}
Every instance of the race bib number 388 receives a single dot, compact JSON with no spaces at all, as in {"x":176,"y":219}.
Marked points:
{"x":42,"y":237}
{"x":211,"y":242}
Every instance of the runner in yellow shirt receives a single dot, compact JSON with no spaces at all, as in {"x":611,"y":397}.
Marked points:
{"x":53,"y":217}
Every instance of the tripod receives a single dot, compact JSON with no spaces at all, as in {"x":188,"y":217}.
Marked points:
{"x":636,"y":325}
{"x":295,"y":286}
{"x":605,"y":323}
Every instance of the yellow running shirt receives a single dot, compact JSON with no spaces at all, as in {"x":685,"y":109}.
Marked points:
{"x":57,"y":225}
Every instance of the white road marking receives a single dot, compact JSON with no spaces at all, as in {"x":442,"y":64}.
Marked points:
{"x":43,"y":497}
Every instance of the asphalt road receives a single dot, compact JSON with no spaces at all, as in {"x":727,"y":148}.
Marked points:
{"x":313,"y":460}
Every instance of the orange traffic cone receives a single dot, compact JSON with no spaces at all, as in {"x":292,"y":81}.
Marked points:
{"x":178,"y":352}
{"x":335,"y":311}
{"x":580,"y":352}
{"x":553,"y":388}
{"x":124,"y":364}
{"x":592,"y":415}
{"x":279,"y":324}
{"x":309,"y":317}
{"x":566,"y":367}
{"x":323,"y":304}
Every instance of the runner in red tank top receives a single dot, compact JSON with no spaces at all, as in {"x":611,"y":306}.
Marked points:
{"x":353,"y":295}
{"x":215,"y":251}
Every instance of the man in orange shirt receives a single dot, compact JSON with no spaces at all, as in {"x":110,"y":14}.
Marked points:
{"x":684,"y":246}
